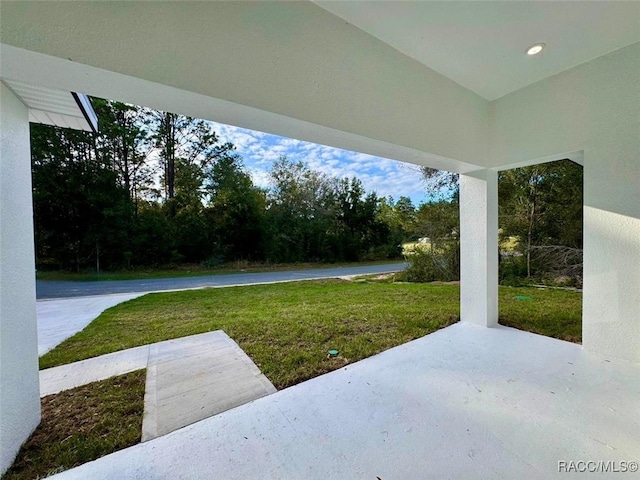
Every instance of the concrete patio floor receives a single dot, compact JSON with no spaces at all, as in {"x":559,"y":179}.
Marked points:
{"x":463,"y":402}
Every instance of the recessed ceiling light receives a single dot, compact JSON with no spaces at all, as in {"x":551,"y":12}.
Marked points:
{"x":535,"y":49}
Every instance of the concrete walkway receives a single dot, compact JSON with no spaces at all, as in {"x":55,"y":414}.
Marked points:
{"x":465,"y":402}
{"x":71,"y":375}
{"x":62,"y":318}
{"x":193,"y":378}
{"x":188,"y":379}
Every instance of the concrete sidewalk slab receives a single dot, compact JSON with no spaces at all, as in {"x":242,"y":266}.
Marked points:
{"x":64,"y":377}
{"x":193,"y":378}
{"x":188,"y":379}
{"x":62,"y":318}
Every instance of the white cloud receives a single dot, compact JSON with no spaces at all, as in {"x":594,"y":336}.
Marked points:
{"x":259,"y":177}
{"x":384,"y":176}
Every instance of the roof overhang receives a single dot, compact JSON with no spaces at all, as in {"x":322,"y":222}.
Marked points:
{"x":55,"y":107}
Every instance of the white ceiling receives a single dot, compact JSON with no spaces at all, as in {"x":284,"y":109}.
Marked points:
{"x":481,"y":45}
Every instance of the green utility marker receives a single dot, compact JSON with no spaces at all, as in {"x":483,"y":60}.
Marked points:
{"x":333,"y":353}
{"x":523,"y":297}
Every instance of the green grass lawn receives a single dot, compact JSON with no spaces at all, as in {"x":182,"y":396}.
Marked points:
{"x":195,"y":270}
{"x":83,"y":424}
{"x":551,"y":312}
{"x":288,"y":328}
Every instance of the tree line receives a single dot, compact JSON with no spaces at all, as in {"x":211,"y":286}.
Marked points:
{"x":155,"y":188}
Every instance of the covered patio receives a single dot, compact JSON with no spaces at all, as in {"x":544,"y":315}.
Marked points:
{"x":463,"y":402}
{"x":441,"y":84}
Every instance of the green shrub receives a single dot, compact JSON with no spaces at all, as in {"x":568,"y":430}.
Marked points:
{"x":441,"y":263}
{"x":512,"y":270}
{"x":214,"y":261}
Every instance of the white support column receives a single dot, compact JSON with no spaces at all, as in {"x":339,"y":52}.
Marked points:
{"x":479,"y":248}
{"x":19,"y":384}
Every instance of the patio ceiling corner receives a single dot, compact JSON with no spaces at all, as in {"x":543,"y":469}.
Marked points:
{"x":58,"y":108}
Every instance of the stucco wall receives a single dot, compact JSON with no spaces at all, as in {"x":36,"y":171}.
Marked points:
{"x":594,"y":107}
{"x":293,"y":59}
{"x":479,"y":248}
{"x":19,"y":387}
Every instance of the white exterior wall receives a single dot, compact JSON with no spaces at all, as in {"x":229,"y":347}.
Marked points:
{"x":479,"y":248}
{"x":594,"y":108}
{"x":19,"y":384}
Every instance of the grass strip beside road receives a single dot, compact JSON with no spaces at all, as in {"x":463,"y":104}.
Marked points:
{"x":288,"y":329}
{"x":81,"y":425}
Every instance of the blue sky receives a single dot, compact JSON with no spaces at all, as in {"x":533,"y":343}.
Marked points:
{"x":385,"y":177}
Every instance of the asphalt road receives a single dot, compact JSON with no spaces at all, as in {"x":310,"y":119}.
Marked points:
{"x":60,"y":289}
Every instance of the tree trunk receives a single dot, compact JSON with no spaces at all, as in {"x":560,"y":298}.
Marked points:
{"x":170,"y":154}
{"x":532,"y":216}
